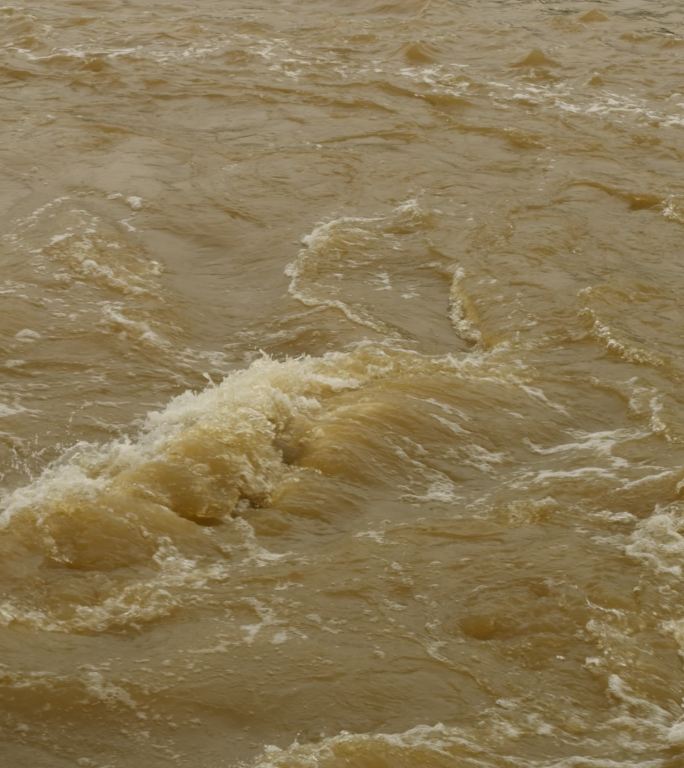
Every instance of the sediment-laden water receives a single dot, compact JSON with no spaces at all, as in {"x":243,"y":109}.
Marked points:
{"x":341,"y":362}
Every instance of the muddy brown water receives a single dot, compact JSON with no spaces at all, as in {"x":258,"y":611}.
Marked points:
{"x":340,"y":384}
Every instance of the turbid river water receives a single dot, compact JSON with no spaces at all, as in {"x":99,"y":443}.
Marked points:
{"x":341,"y":362}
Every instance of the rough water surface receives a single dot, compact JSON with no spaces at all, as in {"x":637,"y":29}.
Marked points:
{"x":341,"y":362}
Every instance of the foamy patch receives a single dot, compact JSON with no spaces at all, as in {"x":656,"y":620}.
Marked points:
{"x":648,"y":401}
{"x":376,"y":536}
{"x":607,"y":338}
{"x":646,"y":479}
{"x":462,"y":311}
{"x":359,"y":748}
{"x":89,"y":680}
{"x":347,"y":238}
{"x":642,"y":721}
{"x":135,"y":203}
{"x":266,"y":617}
{"x":441,"y":79}
{"x":425,"y":484}
{"x":441,"y":746}
{"x":599,"y":444}
{"x":452,"y":426}
{"x":676,"y":629}
{"x":128,"y":329}
{"x":442,"y":490}
{"x":250,"y":409}
{"x":37,"y":214}
{"x":281,"y":57}
{"x":83,"y":250}
{"x":27,"y":335}
{"x":122,"y":512}
{"x":105,"y":690}
{"x":13,"y":288}
{"x":658,"y":540}
{"x":327,"y":235}
{"x":673,"y":209}
{"x":86,"y":256}
{"x":171,"y":581}
{"x":538,"y":394}
{"x":161,"y":54}
{"x":474,"y":455}
{"x":122,"y":533}
{"x":675,"y":735}
{"x":383,"y":281}
{"x":543,"y":477}
{"x":606,"y":104}
{"x":10,"y":410}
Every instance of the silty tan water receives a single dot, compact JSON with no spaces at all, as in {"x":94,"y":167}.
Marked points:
{"x":340,"y":384}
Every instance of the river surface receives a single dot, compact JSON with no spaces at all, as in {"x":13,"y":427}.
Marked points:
{"x":341,"y":362}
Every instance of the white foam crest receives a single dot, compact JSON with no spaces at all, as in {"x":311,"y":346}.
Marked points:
{"x":105,"y":690}
{"x":267,"y":618}
{"x":460,"y":310}
{"x":648,"y":479}
{"x":604,"y":334}
{"x":320,"y":238}
{"x":676,"y":628}
{"x":27,"y":335}
{"x":452,"y":426}
{"x":330,"y":241}
{"x":116,"y":319}
{"x":56,"y":481}
{"x":439,"y":746}
{"x":82,"y":251}
{"x":237,"y":425}
{"x":570,"y":100}
{"x":90,"y":679}
{"x":538,"y":394}
{"x":598,"y":448}
{"x":34,"y":217}
{"x":644,"y":726}
{"x":658,"y":540}
{"x":648,"y":401}
{"x":441,"y":79}
{"x":112,"y":511}
{"x":135,"y":203}
{"x":88,"y":257}
{"x":158,"y":53}
{"x":10,"y":410}
{"x":428,"y":484}
{"x":281,"y":57}
{"x":673,"y":209}
{"x":615,"y":103}
{"x":596,"y":443}
{"x":131,"y":603}
{"x":442,"y":490}
{"x":383,"y":280}
{"x":571,"y":474}
{"x":480,"y":457}
{"x":437,"y":737}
